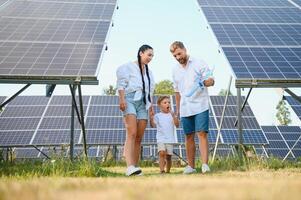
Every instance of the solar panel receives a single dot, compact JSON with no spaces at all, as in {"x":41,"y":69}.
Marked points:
{"x":296,"y":106}
{"x":245,"y":3}
{"x":2,"y":2}
{"x":282,"y":139}
{"x":45,"y":137}
{"x":109,"y":136}
{"x":26,"y":153}
{"x":15,"y":138}
{"x":298,"y":2}
{"x":265,"y":63}
{"x":258,"y":34}
{"x":252,"y":15}
{"x":53,"y":40}
{"x":261,"y":39}
{"x":252,"y":133}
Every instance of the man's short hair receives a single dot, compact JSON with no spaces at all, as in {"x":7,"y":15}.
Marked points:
{"x":175,"y":45}
{"x":161,"y":98}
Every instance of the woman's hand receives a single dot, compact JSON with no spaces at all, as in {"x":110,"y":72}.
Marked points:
{"x":151,"y":110}
{"x":122,"y":104}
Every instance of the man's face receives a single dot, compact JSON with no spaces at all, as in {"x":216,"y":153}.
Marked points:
{"x":180,"y":55}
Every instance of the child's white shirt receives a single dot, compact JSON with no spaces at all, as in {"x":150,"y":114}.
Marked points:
{"x":165,"y":127}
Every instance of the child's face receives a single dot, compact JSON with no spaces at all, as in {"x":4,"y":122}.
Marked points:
{"x":165,"y":105}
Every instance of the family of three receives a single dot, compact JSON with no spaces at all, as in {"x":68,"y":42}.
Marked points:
{"x":135,"y":84}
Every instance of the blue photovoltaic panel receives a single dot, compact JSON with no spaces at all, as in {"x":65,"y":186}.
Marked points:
{"x":292,"y":136}
{"x":14,"y":138}
{"x":252,"y":15}
{"x":245,"y":3}
{"x":20,"y":111}
{"x":281,"y":139}
{"x":261,"y":39}
{"x":249,"y":137}
{"x":104,"y":111}
{"x":58,"y":123}
{"x":258,"y":34}
{"x":60,"y":111}
{"x":296,"y":106}
{"x":252,"y":133}
{"x":54,"y":137}
{"x":104,"y":123}
{"x":149,"y":137}
{"x":108,"y":136}
{"x":105,"y":100}
{"x":29,"y":100}
{"x":56,"y":40}
{"x":298,"y":2}
{"x":67,"y":100}
{"x":26,"y":153}
{"x":265,"y":63}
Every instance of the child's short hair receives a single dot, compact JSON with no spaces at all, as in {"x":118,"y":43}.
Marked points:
{"x":161,"y":98}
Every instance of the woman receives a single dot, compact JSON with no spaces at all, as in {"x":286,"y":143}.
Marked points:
{"x":135,"y":84}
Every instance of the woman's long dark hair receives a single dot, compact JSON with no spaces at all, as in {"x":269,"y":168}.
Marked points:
{"x":142,"y":49}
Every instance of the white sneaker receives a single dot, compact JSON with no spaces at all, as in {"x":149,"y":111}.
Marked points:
{"x":189,"y":170}
{"x":132,"y":170}
{"x":205,"y":168}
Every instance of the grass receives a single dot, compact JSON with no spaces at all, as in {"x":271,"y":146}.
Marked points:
{"x":90,"y":179}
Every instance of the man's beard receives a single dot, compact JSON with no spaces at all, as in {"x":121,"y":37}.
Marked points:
{"x":183,"y":60}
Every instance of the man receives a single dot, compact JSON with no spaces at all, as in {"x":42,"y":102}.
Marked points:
{"x":193,"y":107}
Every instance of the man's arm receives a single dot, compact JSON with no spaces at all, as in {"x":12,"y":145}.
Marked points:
{"x":178,"y":98}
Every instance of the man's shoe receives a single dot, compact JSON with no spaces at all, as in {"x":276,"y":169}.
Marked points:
{"x":132,"y":170}
{"x":189,"y":170}
{"x":205,"y":168}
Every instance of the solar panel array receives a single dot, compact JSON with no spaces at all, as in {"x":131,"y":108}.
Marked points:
{"x":44,"y":121}
{"x":45,"y":39}
{"x":261,"y":39}
{"x":282,"y":139}
{"x":296,"y":106}
{"x":252,"y":133}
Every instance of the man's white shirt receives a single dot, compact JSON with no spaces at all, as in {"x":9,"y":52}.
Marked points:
{"x":183,"y":80}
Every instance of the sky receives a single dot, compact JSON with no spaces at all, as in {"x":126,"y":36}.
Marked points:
{"x":158,"y":23}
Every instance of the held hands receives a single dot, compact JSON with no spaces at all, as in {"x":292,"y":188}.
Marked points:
{"x":122,"y":105}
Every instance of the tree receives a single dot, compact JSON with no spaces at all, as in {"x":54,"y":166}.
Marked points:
{"x":110,"y":91}
{"x":223,"y":92}
{"x":283,"y":114}
{"x":164,"y":87}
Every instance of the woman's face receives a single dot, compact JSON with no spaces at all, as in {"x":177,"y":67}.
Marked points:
{"x":146,"y":56}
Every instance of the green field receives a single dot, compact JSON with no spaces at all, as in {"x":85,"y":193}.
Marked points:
{"x":90,"y":180}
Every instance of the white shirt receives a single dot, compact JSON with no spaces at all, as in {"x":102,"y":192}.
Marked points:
{"x":165,"y":128}
{"x":183,"y":80}
{"x":129,"y":79}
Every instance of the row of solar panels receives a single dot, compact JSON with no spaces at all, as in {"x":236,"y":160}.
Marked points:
{"x":46,"y":121}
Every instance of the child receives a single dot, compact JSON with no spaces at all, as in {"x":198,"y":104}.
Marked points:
{"x":165,"y":122}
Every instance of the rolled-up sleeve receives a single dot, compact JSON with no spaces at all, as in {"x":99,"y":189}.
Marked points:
{"x":122,"y":77}
{"x":152,"y":83}
{"x":175,"y":83}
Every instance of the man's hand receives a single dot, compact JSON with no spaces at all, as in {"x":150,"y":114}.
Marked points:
{"x":209,"y":82}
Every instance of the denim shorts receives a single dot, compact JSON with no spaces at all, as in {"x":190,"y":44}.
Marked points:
{"x":135,"y":107}
{"x":196,"y":123}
